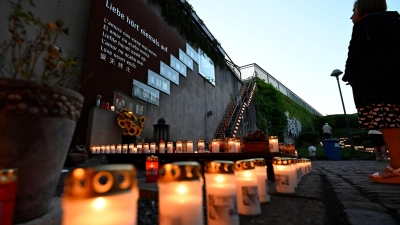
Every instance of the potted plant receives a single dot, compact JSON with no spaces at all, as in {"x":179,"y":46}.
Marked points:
{"x":38,"y":108}
{"x":255,"y":142}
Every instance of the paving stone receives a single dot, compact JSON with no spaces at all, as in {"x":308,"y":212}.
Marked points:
{"x":368,"y":217}
{"x":364,"y":205}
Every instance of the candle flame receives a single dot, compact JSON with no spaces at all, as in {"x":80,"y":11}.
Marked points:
{"x":247,"y":174}
{"x":79,"y":173}
{"x":182,"y":189}
{"x":99,"y":203}
{"x":219,"y":179}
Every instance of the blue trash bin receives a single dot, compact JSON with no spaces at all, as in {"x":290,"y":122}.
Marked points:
{"x":332,"y":149}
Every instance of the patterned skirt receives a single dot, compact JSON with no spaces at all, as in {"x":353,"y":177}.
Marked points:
{"x":377,"y":116}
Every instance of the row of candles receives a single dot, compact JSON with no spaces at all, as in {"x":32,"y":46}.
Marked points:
{"x":217,"y":145}
{"x":232,"y":189}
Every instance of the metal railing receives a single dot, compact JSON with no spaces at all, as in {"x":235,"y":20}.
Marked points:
{"x":251,"y":70}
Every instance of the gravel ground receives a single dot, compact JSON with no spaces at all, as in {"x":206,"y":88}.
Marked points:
{"x":147,"y":209}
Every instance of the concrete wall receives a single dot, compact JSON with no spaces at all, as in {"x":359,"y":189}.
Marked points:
{"x":184,"y":109}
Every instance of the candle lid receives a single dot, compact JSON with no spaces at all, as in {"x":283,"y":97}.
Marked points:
{"x":88,"y":182}
{"x":260,"y":162}
{"x":246,"y":164}
{"x":8,"y":175}
{"x":220,"y":166}
{"x":273,"y":137}
{"x":282,"y":161}
{"x":180,"y":171}
{"x":152,"y":158}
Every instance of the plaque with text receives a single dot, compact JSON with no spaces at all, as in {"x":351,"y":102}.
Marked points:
{"x":178,"y":65}
{"x":192,"y":53}
{"x":206,"y":67}
{"x":186,"y":59}
{"x":158,"y":82}
{"x":146,"y":93}
{"x":169,"y":73}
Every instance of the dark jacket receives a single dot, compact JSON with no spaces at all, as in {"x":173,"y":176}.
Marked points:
{"x":373,"y":63}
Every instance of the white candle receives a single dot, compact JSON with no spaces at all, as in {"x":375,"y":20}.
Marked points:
{"x":152,"y":147}
{"x":107,"y":149}
{"x":102,"y":149}
{"x":112,"y":149}
{"x":221,"y":193}
{"x":283,"y":173}
{"x":237,"y":146}
{"x":88,"y":205}
{"x":181,"y":197}
{"x":125,"y":148}
{"x":161,"y":148}
{"x":139,"y":148}
{"x":262,"y":180}
{"x":112,"y":108}
{"x":119,"y":148}
{"x":179,"y":147}
{"x":232,"y":145}
{"x":146,"y":148}
{"x":189,"y":146}
{"x":273,"y":144}
{"x":131,"y":148}
{"x":98,"y":149}
{"x":200,"y":146}
{"x":170,"y":147}
{"x":247,"y":188}
{"x":93,"y":149}
{"x":215,"y":146}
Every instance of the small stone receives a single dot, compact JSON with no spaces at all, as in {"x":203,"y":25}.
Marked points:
{"x":22,"y":106}
{"x":33,"y":110}
{"x":68,"y":104}
{"x":14,"y":97}
{"x":54,"y":96}
{"x":59,"y":105}
{"x":63,"y":98}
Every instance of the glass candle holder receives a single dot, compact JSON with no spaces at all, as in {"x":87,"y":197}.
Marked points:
{"x":152,"y":147}
{"x":180,"y":193}
{"x":97,"y":149}
{"x":102,"y":149}
{"x":118,"y":150}
{"x":221,"y":193}
{"x":96,"y":202}
{"x":179,"y":147}
{"x":170,"y":147}
{"x":237,"y":145}
{"x":139,"y":148}
{"x":146,"y":148}
{"x":200,"y":146}
{"x":189,"y":146}
{"x":283,"y":175}
{"x":8,"y":191}
{"x":112,"y":149}
{"x":247,"y":188}
{"x":273,"y":144}
{"x":151,"y":169}
{"x":215,"y":146}
{"x":107,"y":151}
{"x":125,"y":148}
{"x":232,"y":145}
{"x":161,"y":147}
{"x":262,"y":180}
{"x":93,"y":149}
{"x":131,"y":148}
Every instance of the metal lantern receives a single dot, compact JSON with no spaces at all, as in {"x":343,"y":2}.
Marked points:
{"x":221,"y":193}
{"x":8,"y":192}
{"x":247,"y":187}
{"x":96,"y":195}
{"x":180,"y":194}
{"x":161,"y":131}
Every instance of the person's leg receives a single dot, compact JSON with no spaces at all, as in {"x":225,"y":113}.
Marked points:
{"x":392,"y":140}
{"x":376,"y":151}
{"x":384,"y":152}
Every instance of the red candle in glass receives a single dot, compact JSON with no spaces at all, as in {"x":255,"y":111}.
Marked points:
{"x":151,"y":169}
{"x":8,"y":191}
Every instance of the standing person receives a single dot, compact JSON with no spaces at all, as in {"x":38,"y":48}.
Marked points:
{"x":372,"y":65}
{"x":327,"y":131}
{"x":378,"y":143}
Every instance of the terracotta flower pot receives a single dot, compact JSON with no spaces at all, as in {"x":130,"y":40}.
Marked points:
{"x":37,"y":125}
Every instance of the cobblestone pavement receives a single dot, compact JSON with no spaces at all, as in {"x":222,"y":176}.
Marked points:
{"x":364,"y":202}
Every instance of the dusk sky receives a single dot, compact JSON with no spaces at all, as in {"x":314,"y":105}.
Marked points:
{"x":299,"y":42}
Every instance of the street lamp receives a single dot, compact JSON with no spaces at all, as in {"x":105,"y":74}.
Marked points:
{"x":336,"y":73}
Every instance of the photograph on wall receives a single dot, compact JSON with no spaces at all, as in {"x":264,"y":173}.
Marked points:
{"x":206,"y":67}
{"x":124,"y":101}
{"x":169,"y":73}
